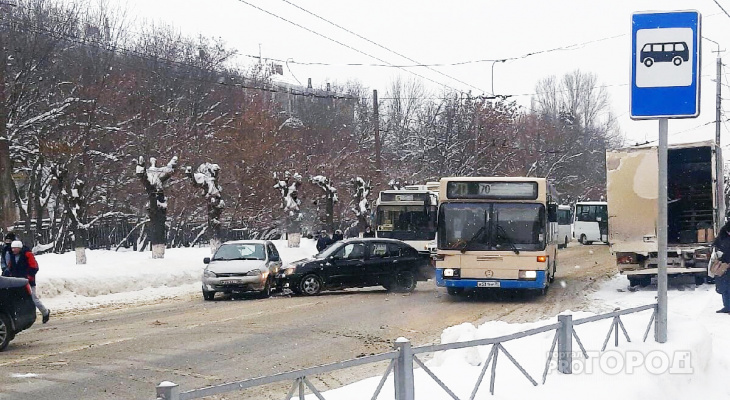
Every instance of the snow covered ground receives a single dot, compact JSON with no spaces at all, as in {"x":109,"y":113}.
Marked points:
{"x":115,"y":278}
{"x":694,"y":363}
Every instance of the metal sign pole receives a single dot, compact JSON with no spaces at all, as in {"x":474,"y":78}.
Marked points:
{"x":662,"y":226}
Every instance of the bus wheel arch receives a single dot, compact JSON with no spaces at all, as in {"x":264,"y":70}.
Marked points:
{"x":677,"y":61}
{"x":648,"y":62}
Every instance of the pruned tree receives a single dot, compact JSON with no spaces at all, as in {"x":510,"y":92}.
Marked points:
{"x":206,"y":178}
{"x":361,"y":193}
{"x":153,"y":179}
{"x":72,"y":194}
{"x":288,"y":187}
{"x":329,"y":197}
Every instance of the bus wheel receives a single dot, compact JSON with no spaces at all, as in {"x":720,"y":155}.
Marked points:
{"x":455,"y":291}
{"x":677,"y":61}
{"x":648,"y":62}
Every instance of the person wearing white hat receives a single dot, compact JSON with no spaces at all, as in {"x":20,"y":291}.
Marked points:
{"x":24,"y":265}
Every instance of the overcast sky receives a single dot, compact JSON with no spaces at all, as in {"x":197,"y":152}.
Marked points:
{"x":595,"y":36}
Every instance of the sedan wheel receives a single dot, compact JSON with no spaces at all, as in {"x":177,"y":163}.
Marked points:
{"x":5,"y":332}
{"x":405,"y":281}
{"x":208,"y":295}
{"x":310,"y":285}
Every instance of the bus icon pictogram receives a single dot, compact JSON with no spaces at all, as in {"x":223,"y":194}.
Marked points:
{"x":674,"y":52}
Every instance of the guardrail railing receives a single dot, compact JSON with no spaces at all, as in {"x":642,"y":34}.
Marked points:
{"x":404,"y":358}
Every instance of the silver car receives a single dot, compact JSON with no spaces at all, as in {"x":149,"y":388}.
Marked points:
{"x":241,"y":266}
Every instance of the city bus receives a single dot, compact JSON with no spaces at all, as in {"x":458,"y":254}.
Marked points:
{"x":565,"y":225}
{"x":591,"y":222}
{"x":496,"y":232}
{"x":409,"y":215}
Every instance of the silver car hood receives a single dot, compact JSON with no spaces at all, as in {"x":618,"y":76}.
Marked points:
{"x":235,"y":266}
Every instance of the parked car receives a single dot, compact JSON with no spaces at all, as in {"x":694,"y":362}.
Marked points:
{"x":17,"y":311}
{"x":241,"y":266}
{"x":357,"y":262}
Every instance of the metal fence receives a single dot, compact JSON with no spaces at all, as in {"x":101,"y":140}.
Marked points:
{"x":404,"y":358}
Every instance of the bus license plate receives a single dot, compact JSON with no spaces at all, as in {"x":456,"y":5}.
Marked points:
{"x":487,"y":284}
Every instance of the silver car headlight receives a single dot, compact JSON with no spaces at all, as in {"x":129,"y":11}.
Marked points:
{"x":253,"y":272}
{"x":209,"y":274}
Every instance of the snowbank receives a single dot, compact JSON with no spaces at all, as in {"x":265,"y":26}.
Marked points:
{"x":694,"y":363}
{"x":126,"y":277}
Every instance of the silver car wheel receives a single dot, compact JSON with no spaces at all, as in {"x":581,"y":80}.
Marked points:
{"x":311,"y":285}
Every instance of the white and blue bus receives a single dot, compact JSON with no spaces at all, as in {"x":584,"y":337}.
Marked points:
{"x":496,"y":232}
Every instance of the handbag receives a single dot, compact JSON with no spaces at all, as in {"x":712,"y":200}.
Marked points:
{"x":717,"y":267}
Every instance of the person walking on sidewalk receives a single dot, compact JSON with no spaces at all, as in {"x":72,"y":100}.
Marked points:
{"x":6,"y":251}
{"x":22,"y":264}
{"x":719,"y":263}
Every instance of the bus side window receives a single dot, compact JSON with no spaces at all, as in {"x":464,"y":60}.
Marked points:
{"x":679,"y":47}
{"x":668,"y":47}
{"x":656,"y":47}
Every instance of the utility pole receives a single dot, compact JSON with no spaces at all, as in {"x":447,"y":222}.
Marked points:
{"x":376,"y":116}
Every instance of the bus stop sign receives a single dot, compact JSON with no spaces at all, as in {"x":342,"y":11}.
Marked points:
{"x":665,"y":65}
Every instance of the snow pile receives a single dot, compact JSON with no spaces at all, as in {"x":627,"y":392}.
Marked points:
{"x":126,"y":277}
{"x":694,"y":363}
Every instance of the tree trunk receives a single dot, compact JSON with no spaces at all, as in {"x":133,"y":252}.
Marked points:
{"x":158,"y":217}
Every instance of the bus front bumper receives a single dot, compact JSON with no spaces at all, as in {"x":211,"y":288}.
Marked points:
{"x":538,"y":283}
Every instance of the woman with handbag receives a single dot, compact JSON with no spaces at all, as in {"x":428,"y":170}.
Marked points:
{"x":719,"y":266}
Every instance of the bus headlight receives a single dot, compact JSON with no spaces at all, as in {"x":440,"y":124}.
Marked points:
{"x":451,"y":273}
{"x":529,"y":275}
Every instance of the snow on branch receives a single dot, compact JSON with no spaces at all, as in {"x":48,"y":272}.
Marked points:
{"x":153,"y":176}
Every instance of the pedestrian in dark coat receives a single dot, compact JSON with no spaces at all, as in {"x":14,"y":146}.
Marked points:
{"x":324,"y":241}
{"x":24,"y":265}
{"x":368,"y":232}
{"x":722,"y":282}
{"x":337,"y":236}
{"x":6,"y":251}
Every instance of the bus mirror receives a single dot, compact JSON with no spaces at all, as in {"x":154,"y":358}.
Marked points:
{"x":552,"y":213}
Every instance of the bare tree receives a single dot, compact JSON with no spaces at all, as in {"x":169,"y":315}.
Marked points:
{"x":361,"y":193}
{"x":74,"y":202}
{"x":206,"y":178}
{"x":329,"y":197}
{"x":153,"y":179}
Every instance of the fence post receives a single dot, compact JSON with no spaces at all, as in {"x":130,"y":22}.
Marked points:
{"x":168,"y":391}
{"x":403,"y":371}
{"x":565,"y":344}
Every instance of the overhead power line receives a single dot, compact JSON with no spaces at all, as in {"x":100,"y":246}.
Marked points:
{"x":723,"y":10}
{"x":340,"y":43}
{"x":379,"y":45}
{"x":575,"y":46}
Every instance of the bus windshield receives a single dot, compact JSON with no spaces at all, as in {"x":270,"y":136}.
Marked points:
{"x":564,"y":217}
{"x":406,"y":222}
{"x":591,"y":213}
{"x":491,"y":226}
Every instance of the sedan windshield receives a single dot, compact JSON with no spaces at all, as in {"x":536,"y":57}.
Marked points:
{"x":491,"y":226}
{"x":240,"y":251}
{"x":328,"y":251}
